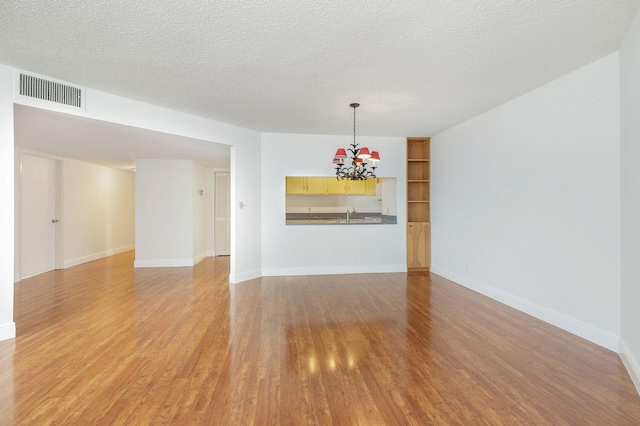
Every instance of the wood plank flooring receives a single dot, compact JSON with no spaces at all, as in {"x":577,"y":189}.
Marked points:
{"x":102,"y":343}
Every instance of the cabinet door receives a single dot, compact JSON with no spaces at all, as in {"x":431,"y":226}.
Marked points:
{"x":295,"y":185}
{"x":418,"y":245}
{"x":357,"y":187}
{"x":336,"y":187}
{"x":316,"y":185}
{"x":370,"y":186}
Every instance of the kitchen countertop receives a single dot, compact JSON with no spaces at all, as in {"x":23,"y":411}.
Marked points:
{"x":339,"y":219}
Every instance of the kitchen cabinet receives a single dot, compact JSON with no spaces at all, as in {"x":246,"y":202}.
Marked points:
{"x":336,"y":187}
{"x":296,"y":185}
{"x":356,"y":187}
{"x":300,"y":185}
{"x":316,"y":185}
{"x":370,"y":186}
{"x":307,"y":185}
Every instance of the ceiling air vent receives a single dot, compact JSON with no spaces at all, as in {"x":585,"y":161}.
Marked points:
{"x":40,"y":88}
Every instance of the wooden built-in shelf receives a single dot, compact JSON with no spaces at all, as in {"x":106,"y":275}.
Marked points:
{"x":418,"y":204}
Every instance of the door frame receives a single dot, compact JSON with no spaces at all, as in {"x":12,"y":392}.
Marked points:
{"x":215,"y":205}
{"x":59,"y":235}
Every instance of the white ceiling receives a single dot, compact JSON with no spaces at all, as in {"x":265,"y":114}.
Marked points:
{"x":108,"y":144}
{"x":417,"y":67}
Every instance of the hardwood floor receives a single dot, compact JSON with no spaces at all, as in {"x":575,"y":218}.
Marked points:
{"x":102,"y":343}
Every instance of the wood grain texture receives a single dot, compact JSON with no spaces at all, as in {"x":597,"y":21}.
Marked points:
{"x":102,"y":343}
{"x":418,"y":246}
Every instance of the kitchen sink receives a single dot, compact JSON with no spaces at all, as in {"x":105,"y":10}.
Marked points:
{"x":328,"y":221}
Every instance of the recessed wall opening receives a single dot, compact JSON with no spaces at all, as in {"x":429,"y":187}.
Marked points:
{"x":322,"y":200}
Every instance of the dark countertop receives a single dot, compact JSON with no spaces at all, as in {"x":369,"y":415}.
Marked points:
{"x":339,"y":219}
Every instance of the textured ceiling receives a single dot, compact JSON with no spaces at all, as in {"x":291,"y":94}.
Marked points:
{"x":417,"y":67}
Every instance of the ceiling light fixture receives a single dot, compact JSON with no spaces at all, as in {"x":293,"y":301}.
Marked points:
{"x":359,"y":156}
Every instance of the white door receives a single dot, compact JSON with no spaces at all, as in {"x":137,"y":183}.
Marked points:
{"x":222,"y":230}
{"x":38,"y":215}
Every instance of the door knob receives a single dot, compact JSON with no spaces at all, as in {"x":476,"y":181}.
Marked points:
{"x":54,"y":220}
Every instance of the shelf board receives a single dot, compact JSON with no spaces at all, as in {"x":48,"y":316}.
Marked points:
{"x":417,"y":201}
{"x":417,"y":180}
{"x":422,"y":160}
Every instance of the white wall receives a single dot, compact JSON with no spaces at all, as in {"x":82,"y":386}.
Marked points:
{"x":98,"y":211}
{"x":630,"y":193}
{"x":526,"y":203}
{"x":164,"y":213}
{"x":171,"y":213}
{"x":246,"y":232}
{"x":244,"y":165}
{"x":7,"y":326}
{"x":199,"y":212}
{"x":327,"y":249}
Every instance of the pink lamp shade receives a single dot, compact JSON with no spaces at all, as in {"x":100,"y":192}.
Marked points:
{"x":375,"y":157}
{"x":337,"y":160}
{"x":359,"y":160}
{"x":341,"y":153}
{"x":364,"y":153}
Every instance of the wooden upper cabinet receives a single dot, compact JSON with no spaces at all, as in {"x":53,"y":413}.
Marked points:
{"x":295,"y":185}
{"x":300,"y":185}
{"x":356,"y":187}
{"x":371,"y":186}
{"x":316,"y":185}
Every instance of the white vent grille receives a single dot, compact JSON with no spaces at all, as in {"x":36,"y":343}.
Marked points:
{"x":47,"y":90}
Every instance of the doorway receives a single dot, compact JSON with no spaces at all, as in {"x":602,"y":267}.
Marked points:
{"x":222,"y":228}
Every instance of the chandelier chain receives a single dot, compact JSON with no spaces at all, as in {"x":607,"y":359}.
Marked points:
{"x":354,"y":125}
{"x":358,"y":169}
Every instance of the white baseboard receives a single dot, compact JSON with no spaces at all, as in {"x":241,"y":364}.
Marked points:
{"x":95,"y":256}
{"x":315,"y":270}
{"x":631,"y":364}
{"x":332,"y":270}
{"x":7,"y":331}
{"x":244,"y":276}
{"x":586,"y":331}
{"x":162,"y":263}
{"x":211,"y":253}
{"x":168,"y":263}
{"x":16,"y":277}
{"x":199,"y":258}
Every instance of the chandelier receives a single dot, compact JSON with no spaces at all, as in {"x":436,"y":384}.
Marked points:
{"x":359,"y":157}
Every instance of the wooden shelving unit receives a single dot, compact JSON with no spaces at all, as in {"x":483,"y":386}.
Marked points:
{"x":418,"y":204}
